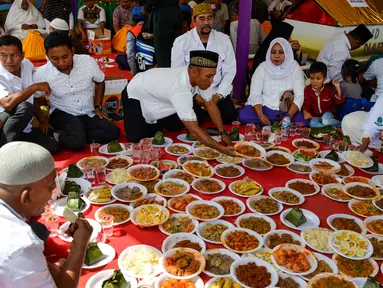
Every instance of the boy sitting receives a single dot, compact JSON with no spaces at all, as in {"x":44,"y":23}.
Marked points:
{"x":321,"y":100}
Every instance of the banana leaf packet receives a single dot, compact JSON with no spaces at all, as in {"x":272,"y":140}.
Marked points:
{"x":275,"y":127}
{"x":190,"y":137}
{"x":375,"y":167}
{"x":234,"y":134}
{"x":346,"y":139}
{"x":71,"y":186}
{"x":93,"y":254}
{"x":372,"y":283}
{"x":296,"y":217}
{"x":75,"y":202}
{"x":318,"y":133}
{"x":114,"y":147}
{"x":74,"y":171}
{"x":158,"y":138}
{"x":332,"y":156}
{"x":116,"y":280}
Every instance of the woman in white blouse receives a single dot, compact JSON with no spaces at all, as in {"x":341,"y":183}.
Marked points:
{"x":280,"y":73}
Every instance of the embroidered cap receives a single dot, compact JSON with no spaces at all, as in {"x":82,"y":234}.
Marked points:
{"x":59,"y":24}
{"x":204,"y":59}
{"x":203,"y":8}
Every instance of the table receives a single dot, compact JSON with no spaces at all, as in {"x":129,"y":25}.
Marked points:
{"x":128,"y":234}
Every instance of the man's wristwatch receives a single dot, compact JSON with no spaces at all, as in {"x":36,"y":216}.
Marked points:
{"x":224,"y":132}
{"x":219,"y":95}
{"x":97,"y":107}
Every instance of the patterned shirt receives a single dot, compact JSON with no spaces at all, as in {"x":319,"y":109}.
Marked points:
{"x":121,"y":17}
{"x":91,"y":18}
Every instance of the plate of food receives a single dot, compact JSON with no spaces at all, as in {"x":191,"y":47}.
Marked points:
{"x":302,"y":143}
{"x":260,"y":224}
{"x":184,"y":240}
{"x":335,"y":192}
{"x":178,"y":204}
{"x":226,"y":159}
{"x":172,"y":187}
{"x":330,"y":280}
{"x":374,"y":225}
{"x":278,"y":237}
{"x":205,"y":210}
{"x":149,"y":199}
{"x":346,"y":222}
{"x":294,"y":259}
{"x":92,"y":162}
{"x":286,"y":280}
{"x":119,"y":162}
{"x":351,"y":245}
{"x":149,"y":215}
{"x":218,"y":262}
{"x":300,"y":168}
{"x":164,"y":281}
{"x":143,"y":172}
{"x":232,"y":206}
{"x":263,"y":254}
{"x":249,"y":150}
{"x":110,"y":276}
{"x":377,"y":243}
{"x":164,"y":165}
{"x":183,"y":159}
{"x":193,"y":263}
{"x":179,"y":174}
{"x":264,"y":205}
{"x":363,"y":208}
{"x":361,"y":191}
{"x":120,"y":212}
{"x":286,"y":196}
{"x":249,"y":272}
{"x":323,"y":178}
{"x":112,"y":148}
{"x":304,"y":155}
{"x":378,"y":203}
{"x":325,"y":265}
{"x":332,"y":155}
{"x":208,"y":186}
{"x":358,"y":159}
{"x":256,"y":164}
{"x":355,"y":268}
{"x":345,"y":170}
{"x":360,"y":179}
{"x":140,"y":261}
{"x":207,"y":153}
{"x":179,"y":223}
{"x":229,"y":171}
{"x":303,"y":186}
{"x":317,"y":239}
{"x":78,"y":185}
{"x":211,"y":231}
{"x":187,"y":138}
{"x":129,"y":192}
{"x":72,"y":171}
{"x":325,"y":165}
{"x":241,"y":240}
{"x":299,"y":219}
{"x":98,"y":255}
{"x":279,"y":148}
{"x":178,"y":149}
{"x":118,"y":176}
{"x":100,"y":195}
{"x":279,"y":158}
{"x":161,"y":141}
{"x":198,"y":169}
{"x":73,"y":201}
{"x":376,"y":169}
{"x":268,"y":145}
{"x":64,"y":227}
{"x":245,"y":188}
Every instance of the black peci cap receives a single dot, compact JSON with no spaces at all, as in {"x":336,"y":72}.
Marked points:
{"x":362,"y":33}
{"x":204,"y":59}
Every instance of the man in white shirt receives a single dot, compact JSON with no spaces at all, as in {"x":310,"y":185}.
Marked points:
{"x":90,"y":16}
{"x":16,"y":97}
{"x":337,"y":50}
{"x":27,"y":180}
{"x":162,"y":98}
{"x":203,"y":37}
{"x":375,"y":71}
{"x":78,"y":87}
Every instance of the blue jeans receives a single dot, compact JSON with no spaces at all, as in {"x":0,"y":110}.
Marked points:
{"x":326,"y":120}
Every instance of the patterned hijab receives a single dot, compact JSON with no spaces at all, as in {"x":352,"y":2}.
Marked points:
{"x":57,"y":9}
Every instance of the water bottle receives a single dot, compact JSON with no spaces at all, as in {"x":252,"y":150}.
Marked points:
{"x":286,"y":121}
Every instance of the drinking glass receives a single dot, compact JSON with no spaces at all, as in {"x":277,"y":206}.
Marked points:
{"x":146,"y":143}
{"x":90,"y":175}
{"x":94,"y":148}
{"x":266,"y":128}
{"x":258,"y":136}
{"x":298,"y":131}
{"x":137,"y":153}
{"x":293,"y":129}
{"x":342,"y":146}
{"x":236,"y":124}
{"x":48,"y":210}
{"x":101,"y":175}
{"x":265,"y":136}
{"x":278,"y":137}
{"x":285,"y":134}
{"x":249,"y":129}
{"x":154,"y":154}
{"x":129,"y":149}
{"x":145,"y":156}
{"x":327,"y":140}
{"x":52,"y":222}
{"x":334,"y":144}
{"x":107,"y":225}
{"x":306,"y":132}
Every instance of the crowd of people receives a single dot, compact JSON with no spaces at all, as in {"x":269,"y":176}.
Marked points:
{"x":183,"y":76}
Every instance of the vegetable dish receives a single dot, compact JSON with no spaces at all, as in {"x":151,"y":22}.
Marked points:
{"x":241,"y":241}
{"x":178,"y":225}
{"x":257,"y":224}
{"x":265,"y":205}
{"x":204,"y":211}
{"x":182,"y":264}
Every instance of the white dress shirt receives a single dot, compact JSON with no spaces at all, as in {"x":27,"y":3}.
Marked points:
{"x":10,"y":84}
{"x":73,"y":93}
{"x":376,"y":71}
{"x":279,"y":5}
{"x":163,"y":92}
{"x":334,"y":53}
{"x":219,"y":43}
{"x":372,"y":125}
{"x":22,"y":262}
{"x":88,"y":25}
{"x":267,"y":91}
{"x":257,"y":35}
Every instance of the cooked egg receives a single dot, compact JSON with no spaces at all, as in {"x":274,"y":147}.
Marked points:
{"x":345,"y":235}
{"x":352,"y":244}
{"x":359,"y":252}
{"x":351,"y":253}
{"x":353,"y":237}
{"x":345,"y":244}
{"x":343,"y":250}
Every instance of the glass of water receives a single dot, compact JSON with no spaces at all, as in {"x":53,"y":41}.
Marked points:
{"x":101,"y":175}
{"x":285,"y":134}
{"x":90,"y":175}
{"x":278,"y":137}
{"x":52,"y":222}
{"x":107,"y":225}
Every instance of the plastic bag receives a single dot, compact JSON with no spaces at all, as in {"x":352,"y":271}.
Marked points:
{"x":119,"y":40}
{"x":33,"y":46}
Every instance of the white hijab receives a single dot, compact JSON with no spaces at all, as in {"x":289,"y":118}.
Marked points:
{"x":287,"y":67}
{"x":17,"y":16}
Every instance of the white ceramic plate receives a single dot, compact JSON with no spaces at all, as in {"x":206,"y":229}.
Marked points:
{"x":96,"y":280}
{"x":376,"y":200}
{"x":98,"y":211}
{"x":248,"y":231}
{"x":380,"y":238}
{"x":161,"y":209}
{"x":197,"y":281}
{"x":372,"y":261}
{"x":379,"y":172}
{"x":148,"y":196}
{"x":338,"y":179}
{"x":272,"y":223}
{"x":132,"y":168}
{"x":259,"y":197}
{"x":173,"y":198}
{"x":336,"y":167}
{"x":258,"y":147}
{"x":95,"y":225}
{"x":296,"y":141}
{"x":121,"y":157}
{"x":168,"y":141}
{"x":316,"y":186}
{"x":239,"y":202}
{"x":370,"y":219}
{"x":104,"y":150}
{"x":277,"y":189}
{"x":173,"y":172}
{"x":241,"y":170}
{"x":168,"y":165}
{"x":173,"y":239}
{"x":312,"y":220}
{"x":85,"y":185}
{"x":358,"y":179}
{"x":245,"y":161}
{"x":189,"y":158}
{"x":346,"y":156}
{"x":195,"y":223}
{"x":378,"y":180}
{"x":323,"y":154}
{"x":299,"y":281}
{"x":65,"y":170}
{"x":303,"y":232}
{"x":215,"y":222}
{"x":208,"y":166}
{"x":221,"y":251}
{"x":198,"y":150}
{"x":130,"y":185}
{"x":334,"y":235}
{"x":354,"y":201}
{"x":303,"y":164}
{"x":231,"y":188}
{"x":280,"y":232}
{"x":174,"y":180}
{"x":326,"y":275}
{"x":329,"y":262}
{"x":203,"y":202}
{"x":182,"y":137}
{"x":123,"y":173}
{"x":347,"y":216}
{"x":225,"y":159}
{"x":286,"y":155}
{"x":351,"y":171}
{"x":179,"y":154}
{"x":195,"y":182}
{"x":329,"y":186}
{"x":60,"y":204}
{"x":350,"y":185}
{"x":109,"y":254}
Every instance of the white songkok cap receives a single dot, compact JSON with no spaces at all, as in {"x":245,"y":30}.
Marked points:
{"x":24,"y":163}
{"x":59,"y":24}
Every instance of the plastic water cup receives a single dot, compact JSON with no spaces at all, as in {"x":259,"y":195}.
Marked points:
{"x":266,"y":136}
{"x":101,"y":175}
{"x":94,"y":148}
{"x":327,"y":140}
{"x":137,"y":153}
{"x":285,"y":134}
{"x":90,"y":175}
{"x":334,"y":144}
{"x":306,"y":132}
{"x":250,"y":129}
{"x":342,"y":146}
{"x":278,"y":137}
{"x":107,"y":225}
{"x":52,"y":222}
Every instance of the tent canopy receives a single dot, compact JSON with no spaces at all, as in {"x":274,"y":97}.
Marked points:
{"x":336,"y":12}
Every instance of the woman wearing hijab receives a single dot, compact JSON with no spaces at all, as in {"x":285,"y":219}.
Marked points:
{"x":23,"y":16}
{"x":277,"y":88}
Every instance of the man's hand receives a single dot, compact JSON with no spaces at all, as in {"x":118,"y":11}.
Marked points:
{"x":264,"y":119}
{"x":226,"y":139}
{"x":216,"y":98}
{"x":364,"y":146}
{"x":25,"y":26}
{"x":336,"y":83}
{"x":228,"y":150}
{"x":44,"y":126}
{"x":43,"y":87}
{"x":84,"y":38}
{"x":307,"y":115}
{"x":81,"y":231}
{"x":199,"y":100}
{"x":71,"y":33}
{"x":1,"y":124}
{"x":101,"y":114}
{"x":295,"y":45}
